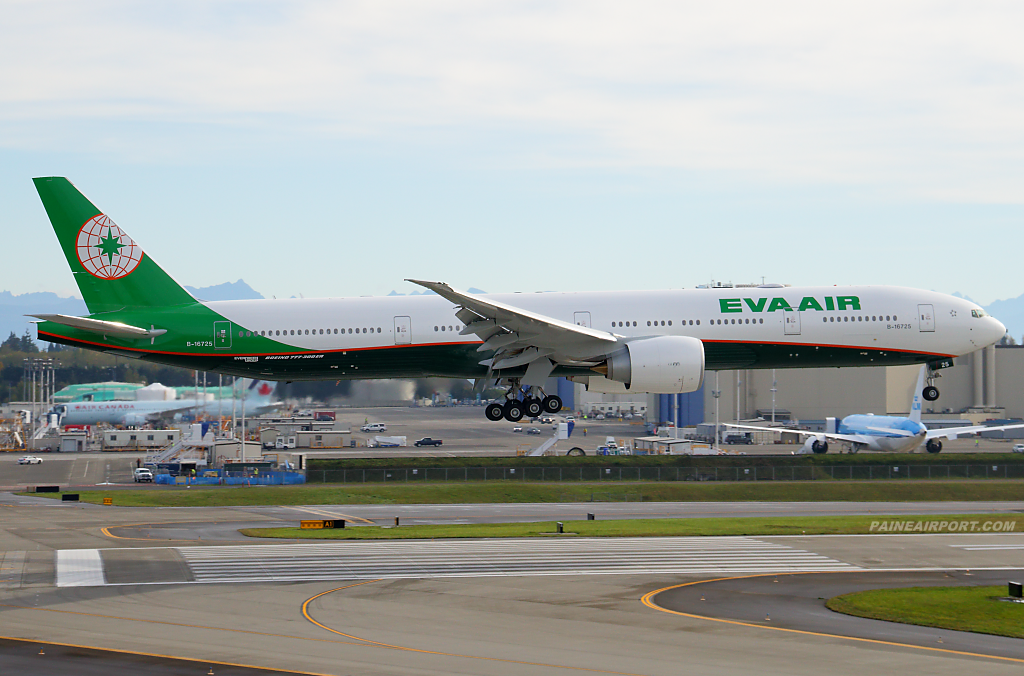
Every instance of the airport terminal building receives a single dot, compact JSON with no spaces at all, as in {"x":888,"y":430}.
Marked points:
{"x":986,"y":384}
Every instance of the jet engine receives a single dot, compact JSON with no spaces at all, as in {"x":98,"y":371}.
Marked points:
{"x":659,"y":365}
{"x":135,"y":419}
{"x":815,"y":445}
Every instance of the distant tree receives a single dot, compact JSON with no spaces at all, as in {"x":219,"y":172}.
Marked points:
{"x":27,"y":344}
{"x":12,"y":344}
{"x":1007,"y":340}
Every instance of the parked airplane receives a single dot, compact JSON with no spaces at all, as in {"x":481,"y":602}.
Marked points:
{"x":647,"y":341}
{"x":257,"y":400}
{"x":891,"y":434}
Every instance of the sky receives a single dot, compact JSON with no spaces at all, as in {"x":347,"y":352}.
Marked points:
{"x":338,"y":148}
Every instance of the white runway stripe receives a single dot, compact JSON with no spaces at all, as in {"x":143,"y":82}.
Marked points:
{"x":79,"y":568}
{"x":488,"y":558}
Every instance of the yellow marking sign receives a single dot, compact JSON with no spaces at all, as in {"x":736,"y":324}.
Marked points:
{"x":108,"y":501}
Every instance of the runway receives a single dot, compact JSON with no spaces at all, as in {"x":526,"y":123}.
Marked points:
{"x":192,"y":587}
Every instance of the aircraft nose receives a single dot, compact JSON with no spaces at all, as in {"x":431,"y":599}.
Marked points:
{"x":995,"y":330}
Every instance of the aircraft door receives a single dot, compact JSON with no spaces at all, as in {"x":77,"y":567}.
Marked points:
{"x":792,"y":322}
{"x":926,"y":315}
{"x":403,"y":331}
{"x":222,"y":334}
{"x":582,"y":319}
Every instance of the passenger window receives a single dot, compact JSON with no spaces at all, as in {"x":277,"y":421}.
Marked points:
{"x":698,"y":322}
{"x":670,"y":322}
{"x":887,"y":318}
{"x":442,"y":328}
{"x":648,"y":323}
{"x":894,"y":318}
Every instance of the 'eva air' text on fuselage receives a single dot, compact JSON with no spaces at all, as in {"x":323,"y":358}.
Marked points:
{"x":774,"y":304}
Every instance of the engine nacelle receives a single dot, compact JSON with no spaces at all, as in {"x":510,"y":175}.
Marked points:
{"x":659,"y":365}
{"x":815,"y":445}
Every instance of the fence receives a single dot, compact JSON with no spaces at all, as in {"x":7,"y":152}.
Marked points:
{"x":752,"y":473}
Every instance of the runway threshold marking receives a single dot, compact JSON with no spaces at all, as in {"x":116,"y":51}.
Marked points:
{"x":647,"y":600}
{"x":165,"y":657}
{"x":308,"y":616}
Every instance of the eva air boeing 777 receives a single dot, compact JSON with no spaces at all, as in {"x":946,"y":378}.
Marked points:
{"x":640,"y":341}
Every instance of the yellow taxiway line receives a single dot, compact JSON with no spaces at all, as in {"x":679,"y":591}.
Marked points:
{"x":648,"y":600}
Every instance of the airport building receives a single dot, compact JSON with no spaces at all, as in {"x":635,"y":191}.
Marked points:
{"x":983,"y":385}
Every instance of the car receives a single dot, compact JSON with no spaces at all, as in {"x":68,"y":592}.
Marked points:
{"x":737,"y":439}
{"x":1018,"y":448}
{"x":427,"y":441}
{"x":599,"y":416}
{"x":30,"y":460}
{"x":533,"y":430}
{"x":517,"y":429}
{"x":374,"y":427}
{"x":547,"y":420}
{"x":143,"y":475}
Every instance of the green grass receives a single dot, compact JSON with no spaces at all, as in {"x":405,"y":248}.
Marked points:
{"x":797,"y":525}
{"x":958,"y":608}
{"x":551,"y":492}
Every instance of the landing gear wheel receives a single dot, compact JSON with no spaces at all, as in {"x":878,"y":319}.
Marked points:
{"x":532,"y":406}
{"x":552,"y":403}
{"x":513,"y":410}
{"x":576,"y":452}
{"x":494,"y":412}
{"x":933,"y":446}
{"x":930,"y":393}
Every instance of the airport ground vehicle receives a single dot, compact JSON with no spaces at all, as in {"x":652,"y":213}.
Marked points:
{"x":374,"y":427}
{"x":734,"y":439}
{"x":1018,"y":448}
{"x":533,"y":430}
{"x":143,"y":475}
{"x":427,"y":441}
{"x":30,"y":460}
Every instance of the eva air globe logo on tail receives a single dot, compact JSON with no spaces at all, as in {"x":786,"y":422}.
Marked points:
{"x":105,"y":250}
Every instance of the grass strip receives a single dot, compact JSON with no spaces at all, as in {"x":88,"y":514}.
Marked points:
{"x":793,"y":525}
{"x":550,"y":492}
{"x":958,"y":608}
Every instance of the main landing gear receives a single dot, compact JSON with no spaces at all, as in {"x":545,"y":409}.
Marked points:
{"x":521,"y":404}
{"x":930,"y":392}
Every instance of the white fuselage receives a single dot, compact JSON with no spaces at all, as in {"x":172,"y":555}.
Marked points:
{"x":882,"y":318}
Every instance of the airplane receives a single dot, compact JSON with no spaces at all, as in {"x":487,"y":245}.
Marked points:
{"x":641,"y":341}
{"x":257,"y":400}
{"x":886,"y":433}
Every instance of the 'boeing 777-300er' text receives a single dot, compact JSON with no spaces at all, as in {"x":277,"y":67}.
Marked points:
{"x":643,"y":341}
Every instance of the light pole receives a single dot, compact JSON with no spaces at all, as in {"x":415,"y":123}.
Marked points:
{"x":775,"y":388}
{"x":716,"y":393}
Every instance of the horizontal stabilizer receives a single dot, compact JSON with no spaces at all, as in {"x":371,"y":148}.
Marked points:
{"x":100,"y":326}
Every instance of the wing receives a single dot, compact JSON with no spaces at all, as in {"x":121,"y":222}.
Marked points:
{"x":520,"y":337}
{"x":951,"y":433}
{"x":849,"y":438}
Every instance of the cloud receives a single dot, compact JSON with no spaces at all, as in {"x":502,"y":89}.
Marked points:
{"x":911,"y":98}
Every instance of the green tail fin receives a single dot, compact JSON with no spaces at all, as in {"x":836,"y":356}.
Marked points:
{"x":111,"y":270}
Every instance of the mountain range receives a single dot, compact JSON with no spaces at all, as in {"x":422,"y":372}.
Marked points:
{"x":13,"y":308}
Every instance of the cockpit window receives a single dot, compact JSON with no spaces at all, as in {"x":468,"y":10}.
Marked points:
{"x":979,"y":313}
